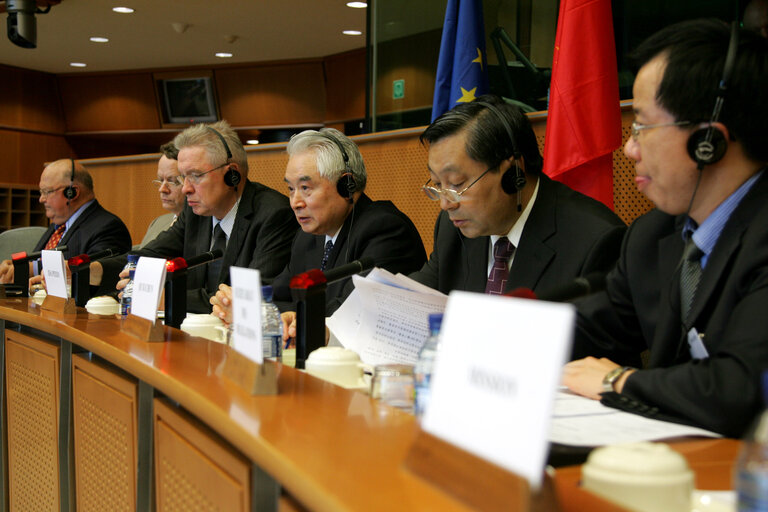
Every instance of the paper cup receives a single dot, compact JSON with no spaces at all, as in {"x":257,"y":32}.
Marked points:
{"x":205,"y":326}
{"x":103,"y":305}
{"x":336,"y":364}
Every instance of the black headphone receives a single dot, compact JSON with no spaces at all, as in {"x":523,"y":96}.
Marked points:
{"x":708,"y":145}
{"x":512,"y":181}
{"x":232,"y":176}
{"x":346,"y":184}
{"x":70,"y":192}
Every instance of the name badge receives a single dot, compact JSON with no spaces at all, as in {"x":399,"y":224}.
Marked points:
{"x":696,"y":344}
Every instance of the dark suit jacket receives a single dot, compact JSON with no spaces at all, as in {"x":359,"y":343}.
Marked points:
{"x":641,"y":309}
{"x":94,"y":230}
{"x":261,"y":238}
{"x":378,"y":230}
{"x":567,"y":235}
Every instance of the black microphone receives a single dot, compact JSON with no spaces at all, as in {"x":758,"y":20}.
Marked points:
{"x":349,"y":269}
{"x":36,"y":255}
{"x":579,"y":287}
{"x":205,"y":257}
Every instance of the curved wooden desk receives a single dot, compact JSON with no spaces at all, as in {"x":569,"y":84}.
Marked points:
{"x":326,"y":447}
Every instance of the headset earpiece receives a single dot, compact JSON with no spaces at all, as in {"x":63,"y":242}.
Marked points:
{"x":232,"y":177}
{"x":70,"y":192}
{"x":346,"y":185}
{"x":513,"y":180}
{"x":707,"y":146}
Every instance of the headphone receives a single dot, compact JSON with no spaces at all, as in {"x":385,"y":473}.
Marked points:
{"x":70,"y":192}
{"x":232,"y":176}
{"x":346,"y":184}
{"x":512,"y":181}
{"x":708,"y":145}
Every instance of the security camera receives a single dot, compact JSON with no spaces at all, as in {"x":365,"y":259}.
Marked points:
{"x":22,"y":26}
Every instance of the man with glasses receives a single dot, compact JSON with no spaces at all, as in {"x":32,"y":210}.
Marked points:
{"x":168,"y":183}
{"x":77,"y":219}
{"x":251,"y":223}
{"x":504,"y":224}
{"x":691,"y":285}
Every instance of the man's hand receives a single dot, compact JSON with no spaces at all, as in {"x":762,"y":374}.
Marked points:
{"x":96,"y":273}
{"x":585,"y":376}
{"x":222,"y":303}
{"x":6,"y":271}
{"x":289,"y":326}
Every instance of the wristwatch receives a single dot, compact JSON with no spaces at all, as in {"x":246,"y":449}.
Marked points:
{"x":612,"y":376}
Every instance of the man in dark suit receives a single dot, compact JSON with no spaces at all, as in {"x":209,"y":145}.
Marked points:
{"x":505,"y":225}
{"x":691,"y":285}
{"x":251,"y":223}
{"x":77,"y":219}
{"x":326,"y":180}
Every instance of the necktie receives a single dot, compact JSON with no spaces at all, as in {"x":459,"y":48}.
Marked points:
{"x":55,"y":237}
{"x":690,"y":274}
{"x":497,"y":279}
{"x":214,"y":267}
{"x":326,"y":254}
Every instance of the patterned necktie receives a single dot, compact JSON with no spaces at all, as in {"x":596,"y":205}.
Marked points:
{"x":326,"y":254}
{"x":55,"y":237}
{"x":690,"y":274}
{"x":497,"y":279}
{"x":214,"y":267}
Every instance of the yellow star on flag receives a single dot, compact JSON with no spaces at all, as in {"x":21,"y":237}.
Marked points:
{"x":467,"y":96}
{"x":479,"y":59}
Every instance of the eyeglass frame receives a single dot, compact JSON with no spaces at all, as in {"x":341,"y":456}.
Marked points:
{"x":450,"y":194}
{"x":195,"y":178}
{"x":178,"y":181}
{"x":636,"y":128}
{"x":46,"y":193}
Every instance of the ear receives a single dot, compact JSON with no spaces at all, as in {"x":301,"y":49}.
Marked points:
{"x":721,"y":128}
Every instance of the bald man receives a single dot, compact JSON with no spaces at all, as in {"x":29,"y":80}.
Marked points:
{"x":77,"y":219}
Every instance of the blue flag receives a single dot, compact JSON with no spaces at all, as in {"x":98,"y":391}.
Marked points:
{"x":462,"y":71}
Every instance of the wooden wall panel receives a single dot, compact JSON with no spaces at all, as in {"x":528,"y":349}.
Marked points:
{"x":345,"y":86}
{"x":30,"y":100}
{"x":272,"y":94}
{"x":109,"y":102}
{"x":24,"y":155}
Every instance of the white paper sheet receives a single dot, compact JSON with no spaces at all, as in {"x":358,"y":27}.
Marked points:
{"x":246,"y":313}
{"x":55,"y":274}
{"x":496,"y":372}
{"x":148,"y":282}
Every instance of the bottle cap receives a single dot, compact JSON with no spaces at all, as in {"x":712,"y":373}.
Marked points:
{"x":435,"y":321}
{"x":266,"y":293}
{"x":133,"y":258}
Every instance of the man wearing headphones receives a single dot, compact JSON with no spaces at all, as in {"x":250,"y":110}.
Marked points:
{"x":505,"y":225}
{"x":77,"y":219}
{"x":326,"y":180}
{"x":691,"y":285}
{"x":252,"y":224}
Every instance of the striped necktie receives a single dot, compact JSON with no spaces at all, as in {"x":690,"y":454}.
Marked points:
{"x":690,"y":275}
{"x":55,"y":237}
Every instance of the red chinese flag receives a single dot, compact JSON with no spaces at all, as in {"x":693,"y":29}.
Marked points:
{"x":584,"y":122}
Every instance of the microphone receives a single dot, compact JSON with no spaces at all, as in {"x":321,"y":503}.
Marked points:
{"x":23,"y":256}
{"x":82,"y":259}
{"x":579,"y":287}
{"x":180,"y":263}
{"x":315,"y":276}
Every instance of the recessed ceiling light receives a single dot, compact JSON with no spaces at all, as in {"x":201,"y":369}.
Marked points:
{"x":223,"y":55}
{"x":123,"y":10}
{"x":252,"y":141}
{"x":77,"y":64}
{"x":352,"y":33}
{"x":99,"y":39}
{"x":357,"y":5}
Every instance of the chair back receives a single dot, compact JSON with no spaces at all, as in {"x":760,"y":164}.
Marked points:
{"x":19,"y":239}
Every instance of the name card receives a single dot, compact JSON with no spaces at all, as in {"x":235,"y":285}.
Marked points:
{"x":246,"y":313}
{"x":55,"y":272}
{"x":495,"y":378}
{"x":148,"y":281}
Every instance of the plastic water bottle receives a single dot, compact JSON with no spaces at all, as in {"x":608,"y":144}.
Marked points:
{"x":125,"y":300}
{"x":271,"y":325}
{"x":422,"y":373}
{"x":752,"y":465}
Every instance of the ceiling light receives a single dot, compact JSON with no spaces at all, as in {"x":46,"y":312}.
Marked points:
{"x":123,"y":10}
{"x":77,"y":64}
{"x":99,"y":39}
{"x":357,"y":5}
{"x":252,"y":141}
{"x":223,"y":55}
{"x":352,"y":33}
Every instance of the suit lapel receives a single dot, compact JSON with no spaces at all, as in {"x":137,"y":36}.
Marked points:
{"x":476,"y":261}
{"x":239,"y":230}
{"x":344,"y":235}
{"x":80,"y":219}
{"x":669,"y":325}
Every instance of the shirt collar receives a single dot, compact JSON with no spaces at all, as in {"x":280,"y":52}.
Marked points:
{"x":228,"y":222}
{"x":516,"y":232}
{"x":72,"y":218}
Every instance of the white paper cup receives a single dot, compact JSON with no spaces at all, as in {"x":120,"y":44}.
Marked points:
{"x":103,"y":305}
{"x":39,"y":296}
{"x":205,"y":326}
{"x":645,"y":477}
{"x":338,"y":365}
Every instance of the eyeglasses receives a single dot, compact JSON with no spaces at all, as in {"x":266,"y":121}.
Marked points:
{"x":449,"y":194}
{"x":637,"y":127}
{"x":45,"y":192}
{"x":174,"y":182}
{"x":197,"y":177}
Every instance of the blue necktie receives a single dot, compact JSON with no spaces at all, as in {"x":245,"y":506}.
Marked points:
{"x":326,"y":254}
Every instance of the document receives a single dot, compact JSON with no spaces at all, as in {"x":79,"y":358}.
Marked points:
{"x":385,"y":319}
{"x":581,"y":421}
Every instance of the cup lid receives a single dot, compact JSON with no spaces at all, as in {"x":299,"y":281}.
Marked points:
{"x":333,"y":355}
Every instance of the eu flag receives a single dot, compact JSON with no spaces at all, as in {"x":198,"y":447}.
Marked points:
{"x":462,"y":68}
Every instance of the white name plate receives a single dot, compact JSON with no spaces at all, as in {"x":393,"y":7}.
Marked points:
{"x":246,"y":313}
{"x":148,"y":282}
